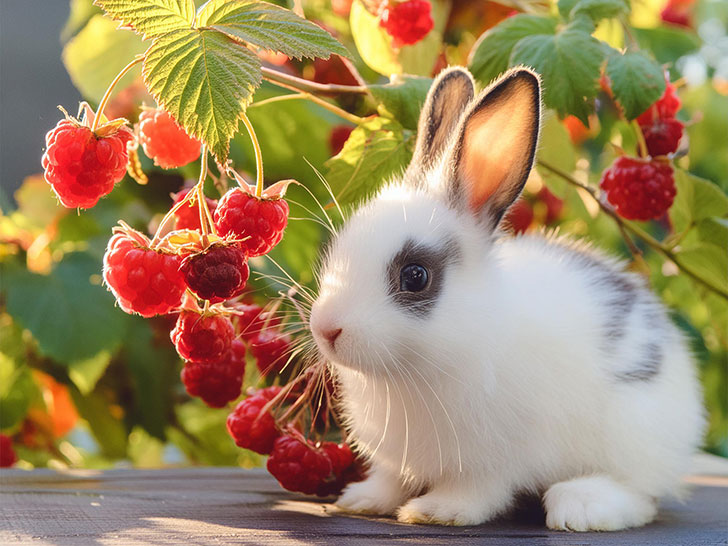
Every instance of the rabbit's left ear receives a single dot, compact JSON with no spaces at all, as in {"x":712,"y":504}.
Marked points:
{"x":498,"y":135}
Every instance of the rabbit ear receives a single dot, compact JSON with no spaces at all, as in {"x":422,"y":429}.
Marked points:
{"x":495,"y":150}
{"x":448,"y":97}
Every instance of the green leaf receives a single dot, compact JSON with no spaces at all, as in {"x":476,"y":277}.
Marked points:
{"x":270,"y":27}
{"x":402,"y":98}
{"x":151,"y":17}
{"x":637,"y":81}
{"x":108,"y":430}
{"x":69,"y":313}
{"x":375,"y":152}
{"x":714,"y":230}
{"x":81,"y":11}
{"x":569,"y":63}
{"x":99,"y":51}
{"x":492,"y":51}
{"x":86,"y":373}
{"x":205,"y":80}
{"x":595,"y":9}
{"x":556,"y":149}
{"x":668,"y":43}
{"x":696,"y":200}
{"x":709,"y":261}
{"x":17,"y":391}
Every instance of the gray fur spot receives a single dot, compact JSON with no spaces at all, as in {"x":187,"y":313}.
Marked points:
{"x":435,"y":259}
{"x":647,"y":367}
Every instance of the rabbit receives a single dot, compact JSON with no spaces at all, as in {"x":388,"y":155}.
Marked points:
{"x":473,"y":365}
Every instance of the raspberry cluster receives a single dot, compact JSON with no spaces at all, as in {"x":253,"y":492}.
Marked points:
{"x":661,"y":130}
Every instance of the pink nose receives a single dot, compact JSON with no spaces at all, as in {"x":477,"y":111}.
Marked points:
{"x":331,"y":335}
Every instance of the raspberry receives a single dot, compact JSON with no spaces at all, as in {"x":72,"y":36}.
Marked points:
{"x":408,"y":22}
{"x":165,"y":141}
{"x":270,"y":349}
{"x":188,"y":216}
{"x":662,"y":136}
{"x":143,"y":280}
{"x":218,"y":273}
{"x":338,"y":137}
{"x":82,"y":167}
{"x":677,"y":13}
{"x":250,"y":319}
{"x":664,"y":107}
{"x":639,"y":189}
{"x":299,"y":466}
{"x":520,"y":216}
{"x":342,"y":461}
{"x":202,"y":338}
{"x":252,"y":429}
{"x":332,"y":70}
{"x":7,"y":453}
{"x":217,"y":383}
{"x":241,"y":214}
{"x":554,"y":205}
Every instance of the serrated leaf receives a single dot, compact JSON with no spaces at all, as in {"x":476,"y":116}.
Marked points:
{"x":151,"y":17}
{"x":696,"y":200}
{"x":637,"y":81}
{"x":70,"y":317}
{"x":492,"y":52}
{"x":569,"y":63}
{"x":595,"y":9}
{"x":269,"y":27}
{"x":205,"y":80}
{"x":375,"y":152}
{"x":403,"y":98}
{"x":99,"y":51}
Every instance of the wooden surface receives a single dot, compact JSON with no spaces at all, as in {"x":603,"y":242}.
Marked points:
{"x":234,"y":506}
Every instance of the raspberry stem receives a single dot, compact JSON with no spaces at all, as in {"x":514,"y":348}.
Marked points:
{"x":110,"y":89}
{"x":351,"y":118}
{"x":258,"y":157}
{"x":276,"y":77}
{"x":640,"y":138}
{"x":202,"y":207}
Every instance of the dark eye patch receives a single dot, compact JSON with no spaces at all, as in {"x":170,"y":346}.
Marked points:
{"x":434,"y":259}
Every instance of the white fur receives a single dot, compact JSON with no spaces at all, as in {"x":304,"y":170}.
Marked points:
{"x":507,"y":385}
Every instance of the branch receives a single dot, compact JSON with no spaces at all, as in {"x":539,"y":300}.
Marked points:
{"x":636,"y":230}
{"x":299,"y":84}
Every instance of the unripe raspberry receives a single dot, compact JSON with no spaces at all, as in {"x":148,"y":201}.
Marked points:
{"x":202,"y":338}
{"x":259,"y":221}
{"x":271,"y":349}
{"x":407,"y":22}
{"x":81,"y":166}
{"x":639,"y":189}
{"x":143,"y":280}
{"x":219,"y":382}
{"x":218,"y":273}
{"x":7,"y":453}
{"x":165,"y":141}
{"x":250,"y":427}
{"x":188,"y":216}
{"x":299,"y":466}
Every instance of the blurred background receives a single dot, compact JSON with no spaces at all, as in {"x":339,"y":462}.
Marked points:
{"x":82,"y":384}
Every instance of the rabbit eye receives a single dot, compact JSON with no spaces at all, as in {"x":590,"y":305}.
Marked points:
{"x":413,"y":278}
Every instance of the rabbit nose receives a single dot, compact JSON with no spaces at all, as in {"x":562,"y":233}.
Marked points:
{"x":331,"y":335}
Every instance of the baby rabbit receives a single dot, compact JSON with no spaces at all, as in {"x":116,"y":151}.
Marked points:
{"x":474,"y":366}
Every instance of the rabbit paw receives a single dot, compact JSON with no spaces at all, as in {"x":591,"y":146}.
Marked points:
{"x":438,"y":509}
{"x":372,"y":496}
{"x":596,"y":503}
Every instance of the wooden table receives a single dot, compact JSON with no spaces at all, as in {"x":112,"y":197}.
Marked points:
{"x":235,"y":506}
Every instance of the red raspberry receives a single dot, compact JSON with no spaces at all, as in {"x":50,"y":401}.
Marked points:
{"x":217,"y":383}
{"x":262,"y":221}
{"x":202,"y":338}
{"x":143,"y":280}
{"x":82,"y":167}
{"x":299,"y":466}
{"x":639,"y":189}
{"x":408,"y":22}
{"x":342,"y":461}
{"x":252,"y":429}
{"x":678,"y":12}
{"x":663,"y":136}
{"x":271,"y":350}
{"x":165,"y":141}
{"x":520,"y":216}
{"x":218,"y":273}
{"x":665,"y":107}
{"x":7,"y":453}
{"x":338,"y":137}
{"x":188,"y":216}
{"x":554,"y":205}
{"x":332,"y":70}
{"x":250,"y":319}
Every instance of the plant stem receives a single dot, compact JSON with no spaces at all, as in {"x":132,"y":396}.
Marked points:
{"x":640,"y":138}
{"x":351,"y":118}
{"x":636,"y":230}
{"x":258,"y":157}
{"x":276,"y":77}
{"x":201,"y":202}
{"x":107,"y":94}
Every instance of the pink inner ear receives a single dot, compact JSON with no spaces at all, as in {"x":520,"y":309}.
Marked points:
{"x":496,"y":146}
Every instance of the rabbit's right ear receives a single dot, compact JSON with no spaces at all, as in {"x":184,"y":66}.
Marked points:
{"x":451,"y":92}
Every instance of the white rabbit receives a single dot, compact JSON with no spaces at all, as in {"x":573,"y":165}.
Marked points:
{"x":475,"y":366}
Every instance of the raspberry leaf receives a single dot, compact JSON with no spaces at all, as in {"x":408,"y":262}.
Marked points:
{"x":269,"y":27}
{"x":697,"y":199}
{"x":402,"y":98}
{"x":595,"y":9}
{"x":637,"y":81}
{"x":707,"y":260}
{"x":374,"y":152}
{"x":205,"y":80}
{"x":151,"y":18}
{"x":492,"y":51}
{"x":569,"y":63}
